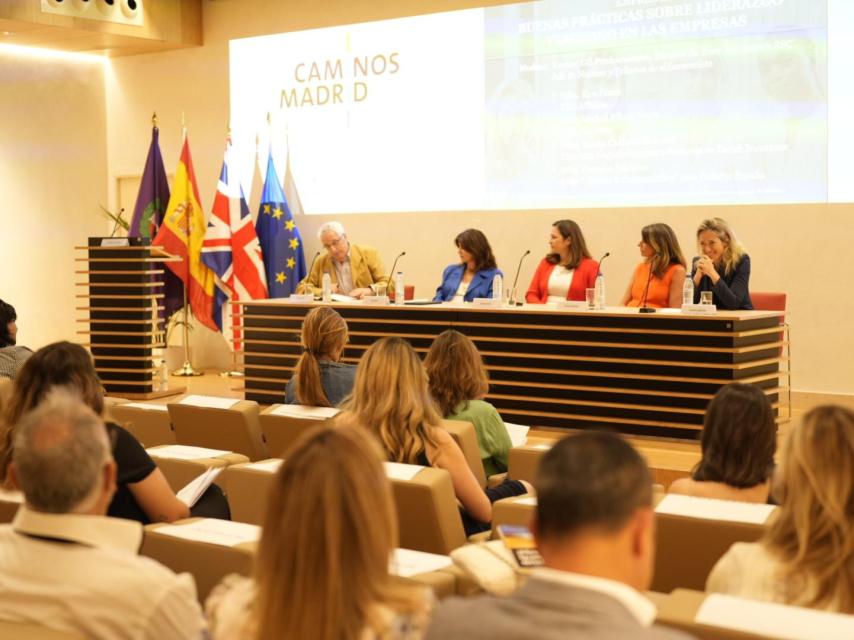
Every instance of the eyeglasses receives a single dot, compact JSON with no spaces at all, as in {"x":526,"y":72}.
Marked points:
{"x":328,"y":246}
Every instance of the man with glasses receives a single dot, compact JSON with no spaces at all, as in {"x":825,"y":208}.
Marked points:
{"x":353,"y":268}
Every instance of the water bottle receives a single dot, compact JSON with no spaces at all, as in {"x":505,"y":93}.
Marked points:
{"x":600,"y":291}
{"x":688,"y":290}
{"x":399,"y":290}
{"x":163,"y":377}
{"x":497,"y":287}
{"x":327,"y":287}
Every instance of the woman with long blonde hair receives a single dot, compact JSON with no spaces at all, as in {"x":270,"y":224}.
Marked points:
{"x":658,"y":279}
{"x":392,"y":399}
{"x":806,"y":557}
{"x":723,"y":266}
{"x":321,"y":571}
{"x":320,"y":379}
{"x":458,"y":384}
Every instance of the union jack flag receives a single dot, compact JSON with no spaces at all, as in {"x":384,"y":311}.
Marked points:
{"x":232,"y":251}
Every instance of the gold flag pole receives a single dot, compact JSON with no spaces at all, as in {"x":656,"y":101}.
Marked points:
{"x":234,"y":372}
{"x":186,"y":369}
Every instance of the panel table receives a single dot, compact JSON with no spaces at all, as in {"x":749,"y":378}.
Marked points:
{"x":650,"y":374}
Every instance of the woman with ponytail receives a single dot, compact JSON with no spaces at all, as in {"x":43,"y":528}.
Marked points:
{"x":320,"y":379}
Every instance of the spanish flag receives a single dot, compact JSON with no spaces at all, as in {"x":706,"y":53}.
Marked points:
{"x":182,"y":234}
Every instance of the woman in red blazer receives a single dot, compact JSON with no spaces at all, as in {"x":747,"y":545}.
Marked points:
{"x":567,"y":271}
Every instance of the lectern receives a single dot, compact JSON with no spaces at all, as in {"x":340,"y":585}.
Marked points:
{"x":123,"y":278}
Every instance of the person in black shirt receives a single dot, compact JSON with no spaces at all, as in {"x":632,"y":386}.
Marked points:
{"x":143,"y":493}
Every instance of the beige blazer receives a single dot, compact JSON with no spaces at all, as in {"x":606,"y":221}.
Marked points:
{"x":365,"y":265}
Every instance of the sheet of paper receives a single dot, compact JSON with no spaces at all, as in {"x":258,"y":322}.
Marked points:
{"x":11,"y":495}
{"x":214,"y":531}
{"x":406,"y":562}
{"x":518,"y":433}
{"x":710,"y":509}
{"x":774,"y":620}
{"x":148,"y":406}
{"x":185,"y":452}
{"x":530,"y":500}
{"x":211,"y":402}
{"x":305,"y":411}
{"x":340,"y":297}
{"x":543,"y":446}
{"x":270,"y":466}
{"x":191,"y":493}
{"x":400,"y":471}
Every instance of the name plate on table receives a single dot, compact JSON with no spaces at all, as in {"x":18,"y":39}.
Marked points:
{"x":301,"y":298}
{"x":380,"y":300}
{"x":487,"y":302}
{"x":700,"y":309}
{"x":575,"y":305}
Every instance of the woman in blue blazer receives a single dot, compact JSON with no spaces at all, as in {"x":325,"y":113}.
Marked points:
{"x":472,"y":278}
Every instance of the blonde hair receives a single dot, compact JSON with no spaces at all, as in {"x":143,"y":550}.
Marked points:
{"x":733,"y":252}
{"x":390,"y":397}
{"x":813,"y":531}
{"x":329,"y":530}
{"x":663,"y":241}
{"x":455,"y":370}
{"x":323,"y":332}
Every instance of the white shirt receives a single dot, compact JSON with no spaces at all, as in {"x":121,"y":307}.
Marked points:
{"x":88,"y":580}
{"x":461,"y":292}
{"x":640,"y":607}
{"x":559,"y":283}
{"x":345,"y":274}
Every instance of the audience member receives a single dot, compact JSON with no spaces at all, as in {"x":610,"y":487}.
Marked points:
{"x":63,"y":564}
{"x":320,"y":379}
{"x":143,"y":493}
{"x":806,"y":557}
{"x":738,"y":443}
{"x":12,"y":355}
{"x":322,"y":565}
{"x":594,"y":529}
{"x":458,"y":382}
{"x":392,"y":399}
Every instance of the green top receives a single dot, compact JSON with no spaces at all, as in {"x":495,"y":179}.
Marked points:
{"x":492,"y":437}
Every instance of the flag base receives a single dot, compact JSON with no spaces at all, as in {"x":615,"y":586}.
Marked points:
{"x":186,"y":370}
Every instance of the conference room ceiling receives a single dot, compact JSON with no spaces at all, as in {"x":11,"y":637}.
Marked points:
{"x":168,"y":25}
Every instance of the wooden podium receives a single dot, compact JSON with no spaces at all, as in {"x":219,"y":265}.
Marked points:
{"x":124,"y":281}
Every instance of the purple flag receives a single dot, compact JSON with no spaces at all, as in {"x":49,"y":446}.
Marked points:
{"x":148,"y":215}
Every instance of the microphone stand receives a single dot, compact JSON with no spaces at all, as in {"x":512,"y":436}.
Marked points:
{"x":391,"y":273}
{"x":308,"y":273}
{"x":644,"y":308}
{"x":601,"y":260}
{"x":516,"y":279}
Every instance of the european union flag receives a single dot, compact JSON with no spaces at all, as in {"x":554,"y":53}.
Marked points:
{"x":284,"y":260}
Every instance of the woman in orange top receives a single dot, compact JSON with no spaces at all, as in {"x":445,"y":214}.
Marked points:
{"x":662,"y":257}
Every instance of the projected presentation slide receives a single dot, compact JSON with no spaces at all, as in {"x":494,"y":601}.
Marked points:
{"x":552,"y":104}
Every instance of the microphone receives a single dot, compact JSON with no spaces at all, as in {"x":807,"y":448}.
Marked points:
{"x":601,"y":260}
{"x":518,"y":269}
{"x":391,"y":273}
{"x":308,"y":273}
{"x":644,"y":308}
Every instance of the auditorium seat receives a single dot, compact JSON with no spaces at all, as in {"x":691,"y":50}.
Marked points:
{"x":428,"y":516}
{"x":768,"y":300}
{"x":234,"y":429}
{"x":465,"y":436}
{"x":209,"y":561}
{"x":680,"y":609}
{"x":152,"y":427}
{"x":15,"y":631}
{"x":248,"y":487}
{"x":688,"y":548}
{"x":280,"y":432}
{"x":9,"y":503}
{"x":5,"y":391}
{"x":522,"y":461}
{"x":179,"y":472}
